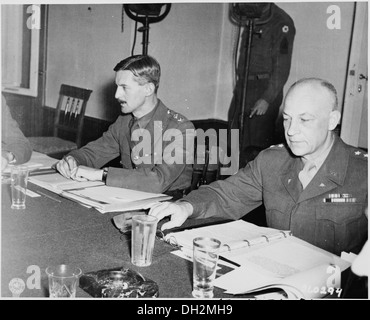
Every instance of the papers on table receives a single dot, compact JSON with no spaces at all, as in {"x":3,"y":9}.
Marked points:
{"x":96,"y":194}
{"x":112,"y":199}
{"x":56,"y":183}
{"x":291,"y":264}
{"x":38,"y":161}
{"x":268,"y":259}
{"x":308,"y":284}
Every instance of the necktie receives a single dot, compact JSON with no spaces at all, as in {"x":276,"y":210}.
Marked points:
{"x":307,"y":173}
{"x":133,"y":124}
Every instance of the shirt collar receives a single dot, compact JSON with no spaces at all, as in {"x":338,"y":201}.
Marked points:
{"x":319,"y":160}
{"x":145,"y":119}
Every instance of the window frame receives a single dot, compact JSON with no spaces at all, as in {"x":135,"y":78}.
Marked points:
{"x":33,"y":68}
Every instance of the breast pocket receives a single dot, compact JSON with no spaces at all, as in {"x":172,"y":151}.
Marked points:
{"x":142,"y":159}
{"x":277,"y":211}
{"x":339,"y":226}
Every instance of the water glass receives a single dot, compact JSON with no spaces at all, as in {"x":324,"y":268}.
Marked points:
{"x":142,"y":239}
{"x":63,"y":280}
{"x":19,"y":179}
{"x":205,"y":257}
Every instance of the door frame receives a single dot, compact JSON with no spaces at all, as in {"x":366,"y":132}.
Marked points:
{"x":355,"y":93}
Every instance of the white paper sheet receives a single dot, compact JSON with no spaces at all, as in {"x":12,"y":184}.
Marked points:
{"x":38,"y":161}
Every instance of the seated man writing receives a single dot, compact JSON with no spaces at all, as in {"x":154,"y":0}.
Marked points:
{"x":15,"y":148}
{"x":316,"y":186}
{"x":150,"y":139}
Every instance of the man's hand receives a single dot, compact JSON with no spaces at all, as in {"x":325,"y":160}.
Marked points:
{"x":260,"y":108}
{"x":6,"y":158}
{"x":84,"y":173}
{"x":67,"y":167}
{"x":179,"y":212}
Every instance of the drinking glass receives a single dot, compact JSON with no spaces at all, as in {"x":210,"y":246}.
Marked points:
{"x":205,"y":257}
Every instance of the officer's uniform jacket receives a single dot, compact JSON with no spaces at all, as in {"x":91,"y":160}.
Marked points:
{"x":271,"y":52}
{"x":272,"y":178}
{"x":145,"y":167}
{"x":270,"y":60}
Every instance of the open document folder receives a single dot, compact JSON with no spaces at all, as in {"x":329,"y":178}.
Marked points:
{"x":268,"y":258}
{"x":290,"y":264}
{"x":96,"y":194}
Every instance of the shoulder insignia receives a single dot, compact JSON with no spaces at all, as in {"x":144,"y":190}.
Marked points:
{"x":175,"y":115}
{"x":285,"y":29}
{"x":277,"y":146}
{"x":360,"y":154}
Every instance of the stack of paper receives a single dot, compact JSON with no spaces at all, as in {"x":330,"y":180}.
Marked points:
{"x":96,"y":194}
{"x":291,"y":264}
{"x":56,"y":183}
{"x":112,"y":199}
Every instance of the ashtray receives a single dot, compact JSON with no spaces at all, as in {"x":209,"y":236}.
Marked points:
{"x":118,"y":283}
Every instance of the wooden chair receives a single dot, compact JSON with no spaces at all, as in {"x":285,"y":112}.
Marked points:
{"x":207,"y":164}
{"x":68,"y":123}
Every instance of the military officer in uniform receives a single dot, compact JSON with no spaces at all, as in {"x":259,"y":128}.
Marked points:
{"x":316,"y":186}
{"x":151,"y":168}
{"x":269,"y":67}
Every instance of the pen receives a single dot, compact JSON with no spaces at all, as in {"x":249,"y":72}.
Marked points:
{"x":190,"y":257}
{"x":47,"y":196}
{"x":229,"y":261}
{"x":73,"y":172}
{"x":35,"y":172}
{"x":38,"y":172}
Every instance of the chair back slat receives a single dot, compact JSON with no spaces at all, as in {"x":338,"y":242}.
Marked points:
{"x":70,"y":111}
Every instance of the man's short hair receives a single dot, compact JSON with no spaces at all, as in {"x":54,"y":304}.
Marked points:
{"x":145,"y":68}
{"x":324,"y":83}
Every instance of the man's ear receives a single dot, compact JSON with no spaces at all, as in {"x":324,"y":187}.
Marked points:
{"x":150,"y":88}
{"x":334,"y":119}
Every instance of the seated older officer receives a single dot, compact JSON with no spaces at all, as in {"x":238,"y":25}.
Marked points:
{"x":15,"y":148}
{"x":145,"y":138}
{"x":317,"y":187}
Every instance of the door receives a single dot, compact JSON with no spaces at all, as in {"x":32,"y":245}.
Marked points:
{"x":354,"y":117}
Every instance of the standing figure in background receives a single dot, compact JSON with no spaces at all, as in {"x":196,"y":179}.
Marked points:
{"x":271,"y":49}
{"x":15,"y":148}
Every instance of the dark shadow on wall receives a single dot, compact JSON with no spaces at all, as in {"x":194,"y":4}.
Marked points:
{"x":110,"y":106}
